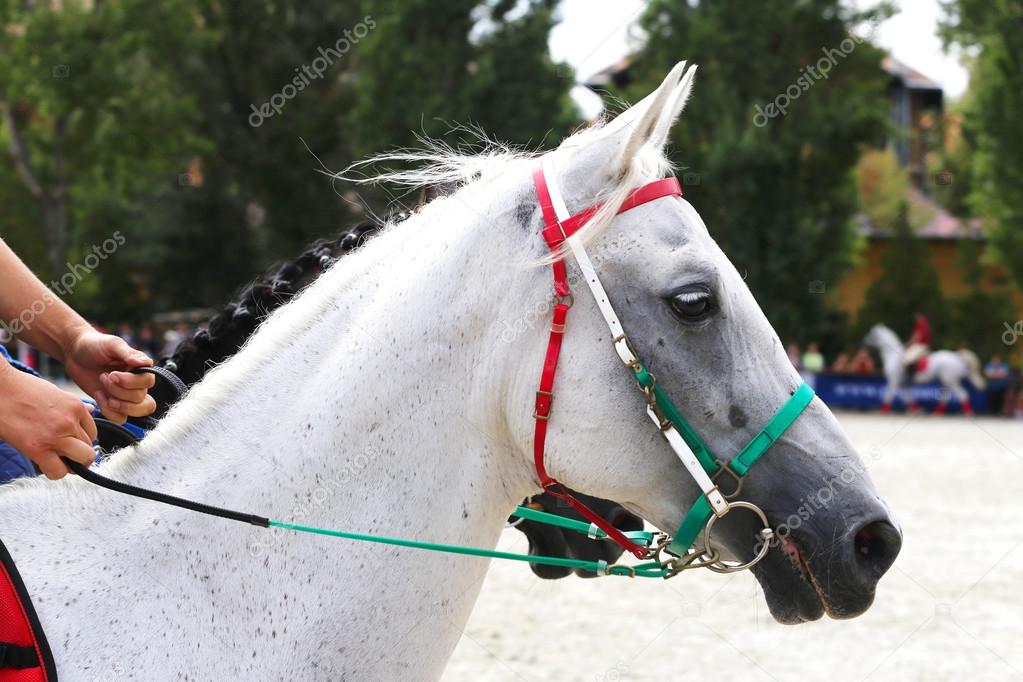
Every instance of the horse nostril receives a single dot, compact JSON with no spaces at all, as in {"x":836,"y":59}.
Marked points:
{"x":875,"y":547}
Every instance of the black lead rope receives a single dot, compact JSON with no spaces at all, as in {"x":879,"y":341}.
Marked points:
{"x":126,"y":489}
{"x":128,"y":439}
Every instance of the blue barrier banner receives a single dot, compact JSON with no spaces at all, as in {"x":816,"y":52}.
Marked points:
{"x":866,"y":392}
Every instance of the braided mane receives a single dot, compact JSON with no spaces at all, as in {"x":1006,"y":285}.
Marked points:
{"x":236,"y":321}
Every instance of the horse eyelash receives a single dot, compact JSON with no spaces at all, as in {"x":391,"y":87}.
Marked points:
{"x":692,"y":296}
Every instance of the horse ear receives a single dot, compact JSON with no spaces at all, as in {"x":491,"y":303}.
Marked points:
{"x":648,"y":122}
{"x":672,"y":111}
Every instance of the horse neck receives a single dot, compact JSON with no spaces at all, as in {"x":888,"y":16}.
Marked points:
{"x":373,"y":403}
{"x":890,"y":346}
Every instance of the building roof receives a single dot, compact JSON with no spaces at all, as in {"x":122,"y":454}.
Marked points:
{"x":940,"y":225}
{"x":612,"y":73}
{"x":910,"y":77}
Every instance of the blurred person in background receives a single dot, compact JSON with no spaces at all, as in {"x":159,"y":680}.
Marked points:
{"x":146,"y":341}
{"x":862,"y":363}
{"x":841,"y":364}
{"x":38,"y":419}
{"x":813,"y":360}
{"x":997,"y":374}
{"x":126,"y":333}
{"x":794,"y":356}
{"x":918,"y":345}
{"x":173,"y":337}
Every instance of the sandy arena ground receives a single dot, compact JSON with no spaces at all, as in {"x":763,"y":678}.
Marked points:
{"x":949,"y":609}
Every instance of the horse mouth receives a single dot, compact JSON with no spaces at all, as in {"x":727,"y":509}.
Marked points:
{"x":792,"y":592}
{"x":797,"y":593}
{"x":795,"y":557}
{"x":799,"y":564}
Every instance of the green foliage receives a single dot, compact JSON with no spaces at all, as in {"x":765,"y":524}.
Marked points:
{"x":460,"y":63}
{"x":87,"y":91}
{"x":908,"y":283}
{"x":948,"y":168}
{"x":882,"y":186}
{"x":187,"y":123}
{"x":258,"y":194}
{"x":992,"y":119}
{"x":976,"y":318}
{"x":778,"y":193}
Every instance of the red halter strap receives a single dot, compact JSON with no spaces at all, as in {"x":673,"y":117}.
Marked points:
{"x":555,"y":233}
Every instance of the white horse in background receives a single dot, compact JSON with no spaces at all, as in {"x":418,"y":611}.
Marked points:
{"x":385,"y":400}
{"x":949,"y":367}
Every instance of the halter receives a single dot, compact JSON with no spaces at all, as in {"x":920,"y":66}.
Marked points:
{"x":702,"y":464}
{"x":560,"y":226}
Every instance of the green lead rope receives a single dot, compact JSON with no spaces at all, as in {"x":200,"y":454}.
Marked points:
{"x":693,"y":524}
{"x":649,"y":569}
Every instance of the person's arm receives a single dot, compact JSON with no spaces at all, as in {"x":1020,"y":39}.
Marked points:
{"x":93,"y":360}
{"x":32,"y":312}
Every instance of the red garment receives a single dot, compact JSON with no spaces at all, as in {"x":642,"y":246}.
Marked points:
{"x":18,"y":623}
{"x":922,"y":330}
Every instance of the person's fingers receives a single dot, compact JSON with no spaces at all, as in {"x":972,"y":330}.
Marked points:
{"x":110,"y":407}
{"x":51,"y":466}
{"x":120,"y":390}
{"x":72,"y":448}
{"x":129,"y":381}
{"x":141,"y":409}
{"x":87,"y":423}
{"x":121,"y":353}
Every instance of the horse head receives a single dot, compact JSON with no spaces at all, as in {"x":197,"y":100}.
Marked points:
{"x":694,"y":322}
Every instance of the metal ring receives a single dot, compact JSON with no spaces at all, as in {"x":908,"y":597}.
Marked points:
{"x":568,"y":299}
{"x":766,"y":535}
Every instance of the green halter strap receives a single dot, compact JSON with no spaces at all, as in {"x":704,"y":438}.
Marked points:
{"x":700,"y":513}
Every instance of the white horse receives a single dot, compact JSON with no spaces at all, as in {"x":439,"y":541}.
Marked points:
{"x":383,"y":400}
{"x":949,"y":367}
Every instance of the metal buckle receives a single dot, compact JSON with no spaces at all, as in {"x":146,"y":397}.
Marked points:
{"x":724,"y":468}
{"x":568,"y":300}
{"x":631,"y":569}
{"x":632,"y":364}
{"x":550,"y":405}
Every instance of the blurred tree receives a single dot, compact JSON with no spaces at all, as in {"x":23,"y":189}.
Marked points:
{"x":949,"y":164}
{"x":20,"y":218}
{"x":994,"y":29}
{"x":775,"y":187}
{"x":272,"y":74}
{"x":185,"y":124}
{"x":882,"y":186}
{"x":909,"y":283}
{"x":977,"y":317}
{"x":461,"y":63}
{"x":90,"y":116}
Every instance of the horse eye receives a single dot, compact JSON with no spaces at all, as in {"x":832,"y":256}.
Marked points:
{"x":693,"y":305}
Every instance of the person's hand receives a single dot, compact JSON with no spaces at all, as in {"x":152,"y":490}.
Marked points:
{"x":43,"y":422}
{"x":93,"y":361}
